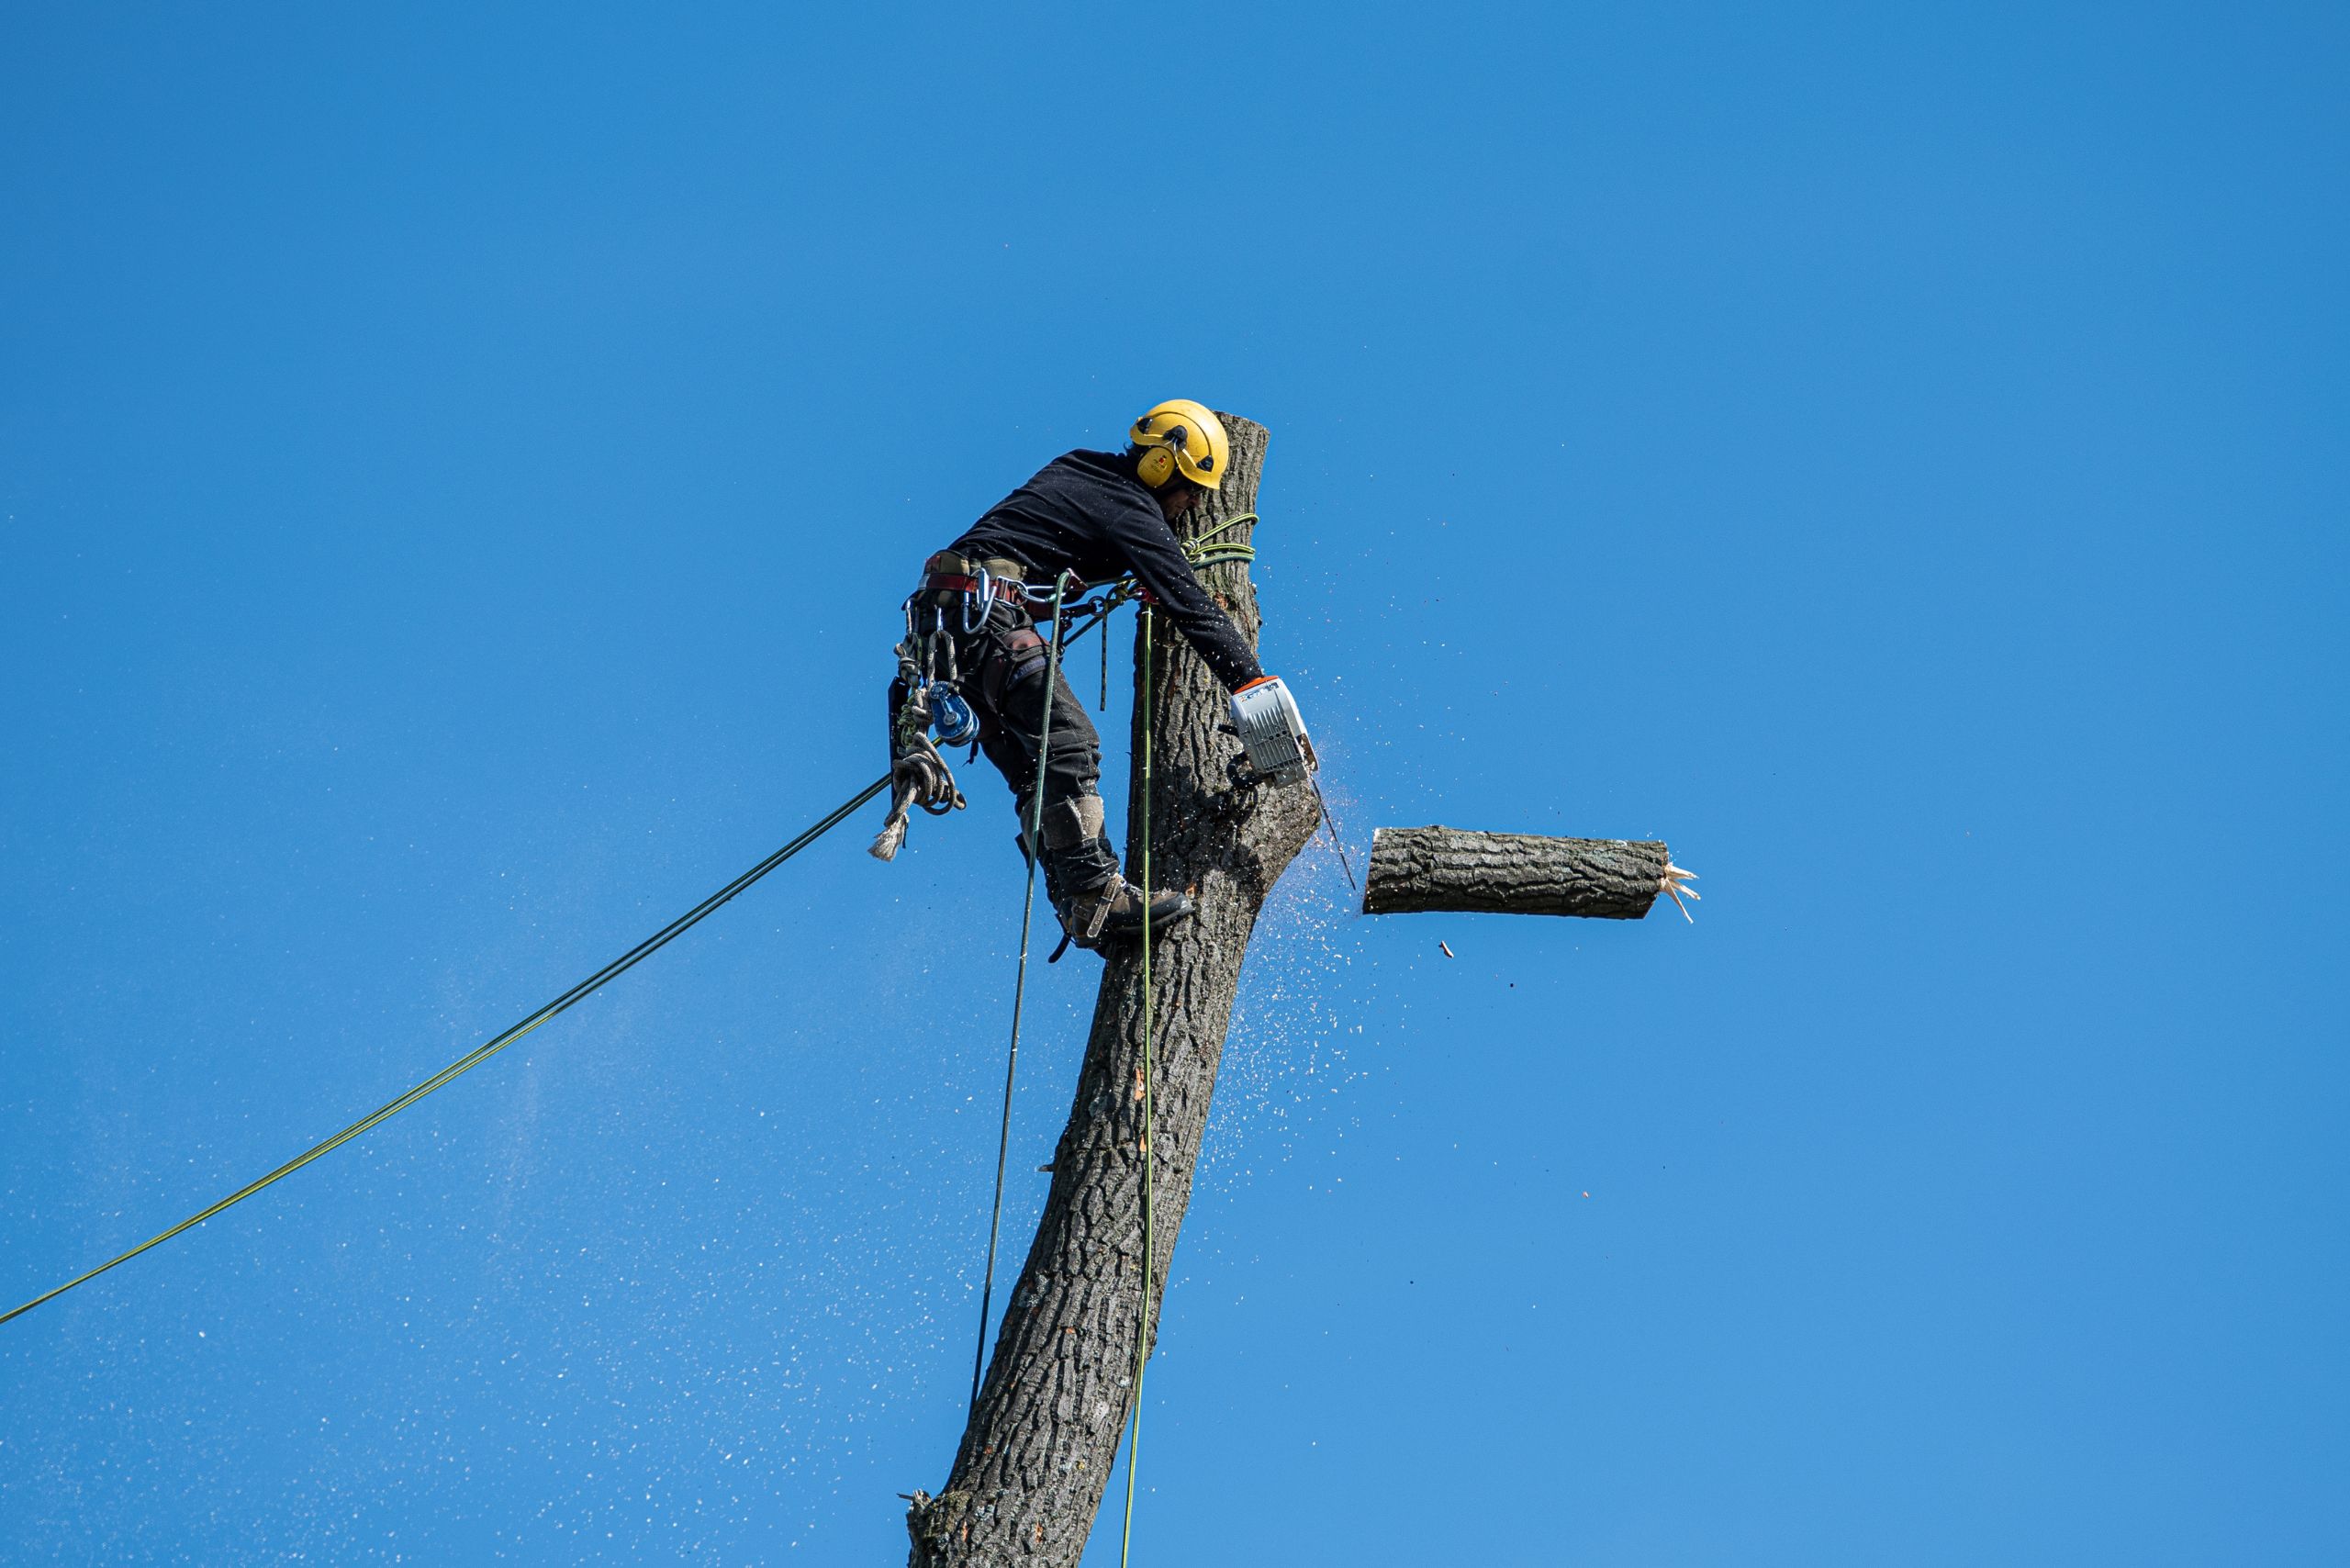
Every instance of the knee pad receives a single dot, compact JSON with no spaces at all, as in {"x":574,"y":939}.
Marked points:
{"x":1074,"y":822}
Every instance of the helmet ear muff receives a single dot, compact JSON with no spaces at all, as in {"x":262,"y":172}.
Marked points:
{"x":1155,"y":466}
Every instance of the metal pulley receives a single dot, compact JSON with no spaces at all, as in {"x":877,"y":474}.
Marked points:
{"x":951,"y":716}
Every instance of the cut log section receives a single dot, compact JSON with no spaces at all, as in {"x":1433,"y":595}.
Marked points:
{"x":1423,"y":869}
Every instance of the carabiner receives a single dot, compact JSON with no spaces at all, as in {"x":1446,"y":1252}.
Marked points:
{"x":984,"y":597}
{"x":1038,"y":593}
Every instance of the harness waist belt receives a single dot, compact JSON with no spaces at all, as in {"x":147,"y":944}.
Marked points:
{"x":951,"y":565}
{"x":947,"y":577}
{"x":950,"y":582}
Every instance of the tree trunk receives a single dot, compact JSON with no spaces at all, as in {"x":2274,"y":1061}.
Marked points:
{"x":1038,"y":1450}
{"x":1422,"y":868}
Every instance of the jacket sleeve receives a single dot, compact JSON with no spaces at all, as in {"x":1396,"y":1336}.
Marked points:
{"x":1160,"y":565}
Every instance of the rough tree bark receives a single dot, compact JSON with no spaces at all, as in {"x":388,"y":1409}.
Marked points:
{"x":1422,"y":868}
{"x":1038,"y":1448}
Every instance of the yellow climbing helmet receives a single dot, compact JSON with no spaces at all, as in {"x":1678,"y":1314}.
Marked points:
{"x":1181,"y":436}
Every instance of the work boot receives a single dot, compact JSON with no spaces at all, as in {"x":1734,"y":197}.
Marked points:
{"x":1114,"y":910}
{"x":1094,"y":902}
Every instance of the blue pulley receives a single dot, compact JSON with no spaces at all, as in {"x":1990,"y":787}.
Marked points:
{"x":952,"y":718}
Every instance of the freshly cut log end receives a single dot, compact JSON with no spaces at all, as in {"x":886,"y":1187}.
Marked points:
{"x":1426,"y":869}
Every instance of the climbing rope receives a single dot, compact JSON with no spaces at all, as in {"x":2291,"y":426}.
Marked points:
{"x":1020,"y":983}
{"x":497,"y":1043}
{"x":1097,"y":613}
{"x":1149,"y":1181}
{"x":1202,"y":553}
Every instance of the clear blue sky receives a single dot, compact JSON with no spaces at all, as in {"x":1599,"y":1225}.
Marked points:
{"x":458,"y":472}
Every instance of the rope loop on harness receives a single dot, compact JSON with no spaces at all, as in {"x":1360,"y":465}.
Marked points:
{"x":918,"y":775}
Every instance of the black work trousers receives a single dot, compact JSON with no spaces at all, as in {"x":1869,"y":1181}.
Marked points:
{"x":1002,"y":668}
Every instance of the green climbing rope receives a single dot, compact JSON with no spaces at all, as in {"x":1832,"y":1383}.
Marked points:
{"x":494,"y":1044}
{"x":1149,"y":1155}
{"x":1201,"y":553}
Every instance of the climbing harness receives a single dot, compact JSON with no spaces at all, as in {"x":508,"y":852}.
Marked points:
{"x":935,"y":702}
{"x":496,"y":1043}
{"x":1034,"y":847}
{"x":929,"y":671}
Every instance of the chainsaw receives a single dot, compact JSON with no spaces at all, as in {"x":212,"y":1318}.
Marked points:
{"x":1272,"y":733}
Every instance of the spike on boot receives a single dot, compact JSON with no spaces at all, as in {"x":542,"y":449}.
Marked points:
{"x":1114,"y":912}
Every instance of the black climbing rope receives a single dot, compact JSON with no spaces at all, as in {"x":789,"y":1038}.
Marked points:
{"x":1035,"y":847}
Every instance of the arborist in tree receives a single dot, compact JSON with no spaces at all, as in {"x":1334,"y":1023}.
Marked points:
{"x":974,"y":664}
